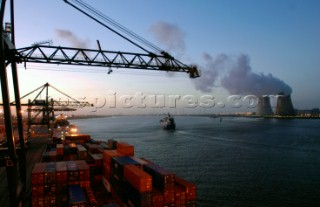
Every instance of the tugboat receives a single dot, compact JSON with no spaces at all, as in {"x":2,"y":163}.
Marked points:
{"x":168,"y":123}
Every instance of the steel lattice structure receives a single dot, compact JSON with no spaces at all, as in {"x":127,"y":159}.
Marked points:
{"x":103,"y":58}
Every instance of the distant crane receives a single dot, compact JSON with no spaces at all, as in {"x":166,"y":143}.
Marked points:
{"x":40,"y":53}
{"x":48,"y":106}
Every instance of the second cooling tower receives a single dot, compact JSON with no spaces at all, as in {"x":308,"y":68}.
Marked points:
{"x":284,"y":106}
{"x":264,"y":106}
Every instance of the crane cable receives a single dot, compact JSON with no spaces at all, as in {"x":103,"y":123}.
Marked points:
{"x":119,"y":26}
{"x":95,"y":13}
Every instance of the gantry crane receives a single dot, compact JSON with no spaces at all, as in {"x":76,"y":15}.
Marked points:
{"x":41,"y":111}
{"x":158,"y":60}
{"x":10,"y":55}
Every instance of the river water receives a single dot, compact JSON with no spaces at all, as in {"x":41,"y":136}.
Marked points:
{"x":233,"y":162}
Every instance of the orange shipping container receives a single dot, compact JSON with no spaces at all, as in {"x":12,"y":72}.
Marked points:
{"x":109,"y":154}
{"x":139,"y":179}
{"x":125,"y":148}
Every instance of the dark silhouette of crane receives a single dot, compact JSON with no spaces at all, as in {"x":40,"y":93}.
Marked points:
{"x":158,"y":60}
{"x":41,"y":111}
{"x":10,"y":55}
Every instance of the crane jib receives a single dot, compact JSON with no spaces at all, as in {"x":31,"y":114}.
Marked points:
{"x":103,"y":58}
{"x":124,"y":32}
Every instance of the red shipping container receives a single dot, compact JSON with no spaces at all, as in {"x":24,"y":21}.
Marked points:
{"x":180,"y":196}
{"x":50,"y":174}
{"x":81,"y":152}
{"x":106,"y":170}
{"x":84,"y":172}
{"x":84,"y":184}
{"x":61,"y":172}
{"x":38,"y":173}
{"x":37,"y":201}
{"x":73,"y":171}
{"x":139,"y":179}
{"x":37,"y":190}
{"x":97,"y":158}
{"x":189,"y":187}
{"x":49,"y":201}
{"x":125,"y":148}
{"x":59,"y":149}
{"x":157,"y":198}
{"x":168,"y":196}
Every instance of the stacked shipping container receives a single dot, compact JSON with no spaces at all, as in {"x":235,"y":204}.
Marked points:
{"x":139,"y":182}
{"x":76,"y":166}
{"x":51,"y":181}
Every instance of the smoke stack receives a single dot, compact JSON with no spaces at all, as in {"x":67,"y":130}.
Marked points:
{"x":264,"y":106}
{"x":284,"y":106}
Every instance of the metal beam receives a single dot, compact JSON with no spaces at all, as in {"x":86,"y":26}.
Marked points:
{"x":15,"y":80}
{"x":103,"y":58}
{"x":11,"y":167}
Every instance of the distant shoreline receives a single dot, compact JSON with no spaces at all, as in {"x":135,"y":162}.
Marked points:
{"x":88,"y":116}
{"x":207,"y":115}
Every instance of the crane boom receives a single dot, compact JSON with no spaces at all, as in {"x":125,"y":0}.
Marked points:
{"x":155,"y":62}
{"x":103,"y":58}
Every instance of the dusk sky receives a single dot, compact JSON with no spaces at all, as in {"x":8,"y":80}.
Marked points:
{"x":242,"y":47}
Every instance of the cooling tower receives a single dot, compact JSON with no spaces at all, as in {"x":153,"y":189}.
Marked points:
{"x":264,"y":106}
{"x":284,"y":106}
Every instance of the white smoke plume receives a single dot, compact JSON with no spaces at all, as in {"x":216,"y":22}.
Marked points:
{"x":168,"y":34}
{"x":72,"y":38}
{"x":237,"y":77}
{"x":211,"y":72}
{"x":241,"y":80}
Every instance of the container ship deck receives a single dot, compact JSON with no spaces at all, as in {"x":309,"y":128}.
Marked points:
{"x":79,"y":171}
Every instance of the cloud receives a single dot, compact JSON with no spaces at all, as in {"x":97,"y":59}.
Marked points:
{"x":72,"y":38}
{"x":169,"y":35}
{"x":210,"y":73}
